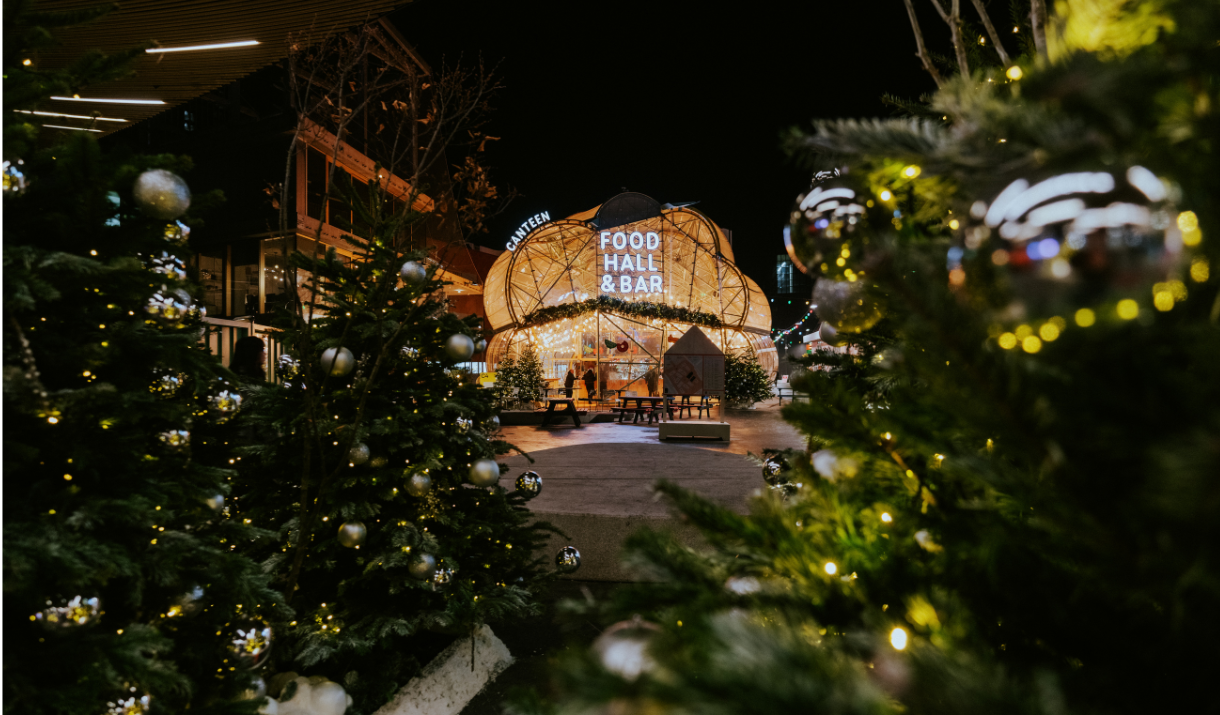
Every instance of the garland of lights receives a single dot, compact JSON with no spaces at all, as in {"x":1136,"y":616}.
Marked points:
{"x":778,"y":335}
{"x":625,"y":308}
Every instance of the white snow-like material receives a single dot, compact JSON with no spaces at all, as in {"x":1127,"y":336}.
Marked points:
{"x":448,"y":683}
{"x":315,"y":696}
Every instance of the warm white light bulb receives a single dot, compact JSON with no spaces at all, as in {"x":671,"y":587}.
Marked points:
{"x":898,"y":638}
{"x":831,"y":568}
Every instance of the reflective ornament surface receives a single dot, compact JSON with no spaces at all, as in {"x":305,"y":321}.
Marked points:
{"x":463,"y":424}
{"x":162,"y":194}
{"x":352,"y":534}
{"x":771,"y":470}
{"x":167,"y":307}
{"x":358,"y":454}
{"x":484,"y":473}
{"x":216,"y":502}
{"x":423,"y":566}
{"x":175,"y":439}
{"x":1079,"y":239}
{"x":251,"y":642}
{"x":480,"y":345}
{"x":338,"y":361}
{"x":187,"y":603}
{"x":847,"y":305}
{"x":167,"y":384}
{"x":418,"y":484}
{"x":288,"y":367}
{"x":622,"y":648}
{"x":459,"y":347}
{"x":830,"y":336}
{"x":442,"y":578}
{"x":413,"y":273}
{"x":169,"y":266}
{"x":77,"y":612}
{"x":378,"y":462}
{"x":567,"y":560}
{"x":410,"y":352}
{"x":529,"y":484}
{"x":14,"y":180}
{"x":492,"y":424}
{"x":834,"y":224}
{"x":178,"y":232}
{"x":132,"y":705}
{"x":226,"y":401}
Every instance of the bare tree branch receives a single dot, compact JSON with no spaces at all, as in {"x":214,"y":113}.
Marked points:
{"x":1037,"y":21}
{"x":921,"y":50}
{"x":953,"y":19}
{"x":995,"y":37}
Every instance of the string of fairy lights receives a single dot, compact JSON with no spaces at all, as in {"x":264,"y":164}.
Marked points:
{"x":783,"y":337}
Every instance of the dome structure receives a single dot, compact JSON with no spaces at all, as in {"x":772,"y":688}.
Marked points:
{"x":611,"y":288}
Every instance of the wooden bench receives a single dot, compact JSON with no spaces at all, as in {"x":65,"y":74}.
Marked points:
{"x":569,"y":409}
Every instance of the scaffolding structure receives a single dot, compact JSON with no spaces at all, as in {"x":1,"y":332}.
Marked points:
{"x":633,"y":249}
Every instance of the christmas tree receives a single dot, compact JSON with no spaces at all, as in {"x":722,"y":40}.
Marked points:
{"x":1009,"y":502}
{"x":373,"y":459}
{"x":122,"y":587}
{"x":745,"y":381}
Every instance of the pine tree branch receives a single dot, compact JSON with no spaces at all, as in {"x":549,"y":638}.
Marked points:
{"x":921,"y":49}
{"x":995,"y":37}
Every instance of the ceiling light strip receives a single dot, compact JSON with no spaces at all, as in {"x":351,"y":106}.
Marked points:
{"x":192,"y":48}
{"x":69,"y":116}
{"x":79,"y":129}
{"x":102,"y":100}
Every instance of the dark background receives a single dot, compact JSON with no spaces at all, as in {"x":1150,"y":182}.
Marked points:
{"x":680,"y":102}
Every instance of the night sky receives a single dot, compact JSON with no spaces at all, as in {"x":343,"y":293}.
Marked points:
{"x":683,"y":103}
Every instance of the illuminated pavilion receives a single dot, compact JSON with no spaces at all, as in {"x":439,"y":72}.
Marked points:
{"x":612,"y":287}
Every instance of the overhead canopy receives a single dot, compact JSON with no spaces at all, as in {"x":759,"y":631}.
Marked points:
{"x":676,"y":256}
{"x":177,"y":77}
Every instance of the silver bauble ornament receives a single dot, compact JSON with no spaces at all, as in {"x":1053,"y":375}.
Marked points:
{"x":175,"y":439}
{"x":226,"y":401}
{"x":1079,"y":239}
{"x":847,"y":305}
{"x":250,"y":642}
{"x":463,"y":424}
{"x":14,"y":180}
{"x":162,"y":194}
{"x":170,"y":266}
{"x":129,"y":705}
{"x":529,"y":484}
{"x":423,"y":566}
{"x":480,"y":345}
{"x":257,"y":689}
{"x":358,"y":454}
{"x":771,"y":471}
{"x":413,"y":273}
{"x":493,"y":424}
{"x":410,"y":352}
{"x":77,"y":612}
{"x":338,"y":361}
{"x":442,"y":578}
{"x":418,"y":484}
{"x":352,"y":534}
{"x":186,"y":603}
{"x":742,"y":585}
{"x":830,"y":336}
{"x":177,"y":232}
{"x":623,"y":648}
{"x":567,"y":560}
{"x":167,"y":384}
{"x":288,"y":367}
{"x":378,"y":462}
{"x":216,"y":502}
{"x":485,"y":473}
{"x":459,"y":347}
{"x":836,"y":223}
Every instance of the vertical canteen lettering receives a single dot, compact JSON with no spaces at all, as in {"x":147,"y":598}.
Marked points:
{"x":630,"y":262}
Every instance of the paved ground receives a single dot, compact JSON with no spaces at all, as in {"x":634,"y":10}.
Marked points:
{"x":598,"y":478}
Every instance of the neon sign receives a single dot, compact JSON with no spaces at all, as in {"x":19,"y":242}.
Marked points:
{"x":637,"y":269}
{"x":530,"y":224}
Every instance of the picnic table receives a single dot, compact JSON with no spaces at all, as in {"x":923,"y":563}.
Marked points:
{"x":569,"y":408}
{"x":644,"y":405}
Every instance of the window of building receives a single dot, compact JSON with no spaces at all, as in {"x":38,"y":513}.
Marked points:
{"x":784,"y":271}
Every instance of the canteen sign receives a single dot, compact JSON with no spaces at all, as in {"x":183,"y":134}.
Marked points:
{"x":629,"y":263}
{"x":530,"y":224}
